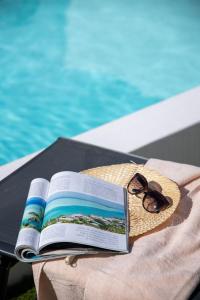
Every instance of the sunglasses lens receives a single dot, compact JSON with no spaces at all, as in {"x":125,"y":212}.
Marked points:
{"x":154,"y":202}
{"x":137,"y":184}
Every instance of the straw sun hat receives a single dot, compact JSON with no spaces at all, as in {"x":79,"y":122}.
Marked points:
{"x":140,"y":220}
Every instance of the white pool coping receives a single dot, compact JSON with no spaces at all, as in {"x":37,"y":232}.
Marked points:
{"x":137,"y":129}
{"x":147,"y":125}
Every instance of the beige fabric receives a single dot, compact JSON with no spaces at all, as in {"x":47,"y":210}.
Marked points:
{"x":163,"y":264}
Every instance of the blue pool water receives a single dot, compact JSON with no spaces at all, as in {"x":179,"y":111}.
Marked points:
{"x":69,"y":66}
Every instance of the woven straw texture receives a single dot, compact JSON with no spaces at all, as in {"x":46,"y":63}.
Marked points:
{"x":140,"y":220}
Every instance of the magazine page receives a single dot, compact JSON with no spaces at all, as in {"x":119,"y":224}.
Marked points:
{"x":29,"y":234}
{"x":84,"y":210}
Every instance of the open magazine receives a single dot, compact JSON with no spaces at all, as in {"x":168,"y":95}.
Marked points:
{"x":73,"y":214}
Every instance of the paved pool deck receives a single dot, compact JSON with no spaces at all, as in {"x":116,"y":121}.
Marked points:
{"x":148,"y":125}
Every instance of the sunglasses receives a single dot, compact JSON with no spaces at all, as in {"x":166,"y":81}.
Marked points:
{"x":152,"y":201}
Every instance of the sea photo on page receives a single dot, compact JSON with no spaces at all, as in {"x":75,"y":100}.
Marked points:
{"x":33,"y":214}
{"x":94,"y":212}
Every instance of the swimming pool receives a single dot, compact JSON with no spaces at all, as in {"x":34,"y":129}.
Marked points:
{"x":69,"y":66}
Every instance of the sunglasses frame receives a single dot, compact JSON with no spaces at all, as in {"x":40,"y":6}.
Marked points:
{"x":147,"y":191}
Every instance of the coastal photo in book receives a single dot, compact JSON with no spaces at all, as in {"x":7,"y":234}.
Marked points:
{"x":72,"y":214}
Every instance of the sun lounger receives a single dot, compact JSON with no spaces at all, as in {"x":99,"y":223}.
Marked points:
{"x":64,"y":154}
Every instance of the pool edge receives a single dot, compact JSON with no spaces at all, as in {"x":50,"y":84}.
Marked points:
{"x":138,"y":129}
{"x":147,"y":125}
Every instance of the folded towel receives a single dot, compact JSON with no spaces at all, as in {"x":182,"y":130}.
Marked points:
{"x":163,"y":264}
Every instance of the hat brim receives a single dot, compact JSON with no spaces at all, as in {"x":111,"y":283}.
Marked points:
{"x":140,"y":220}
